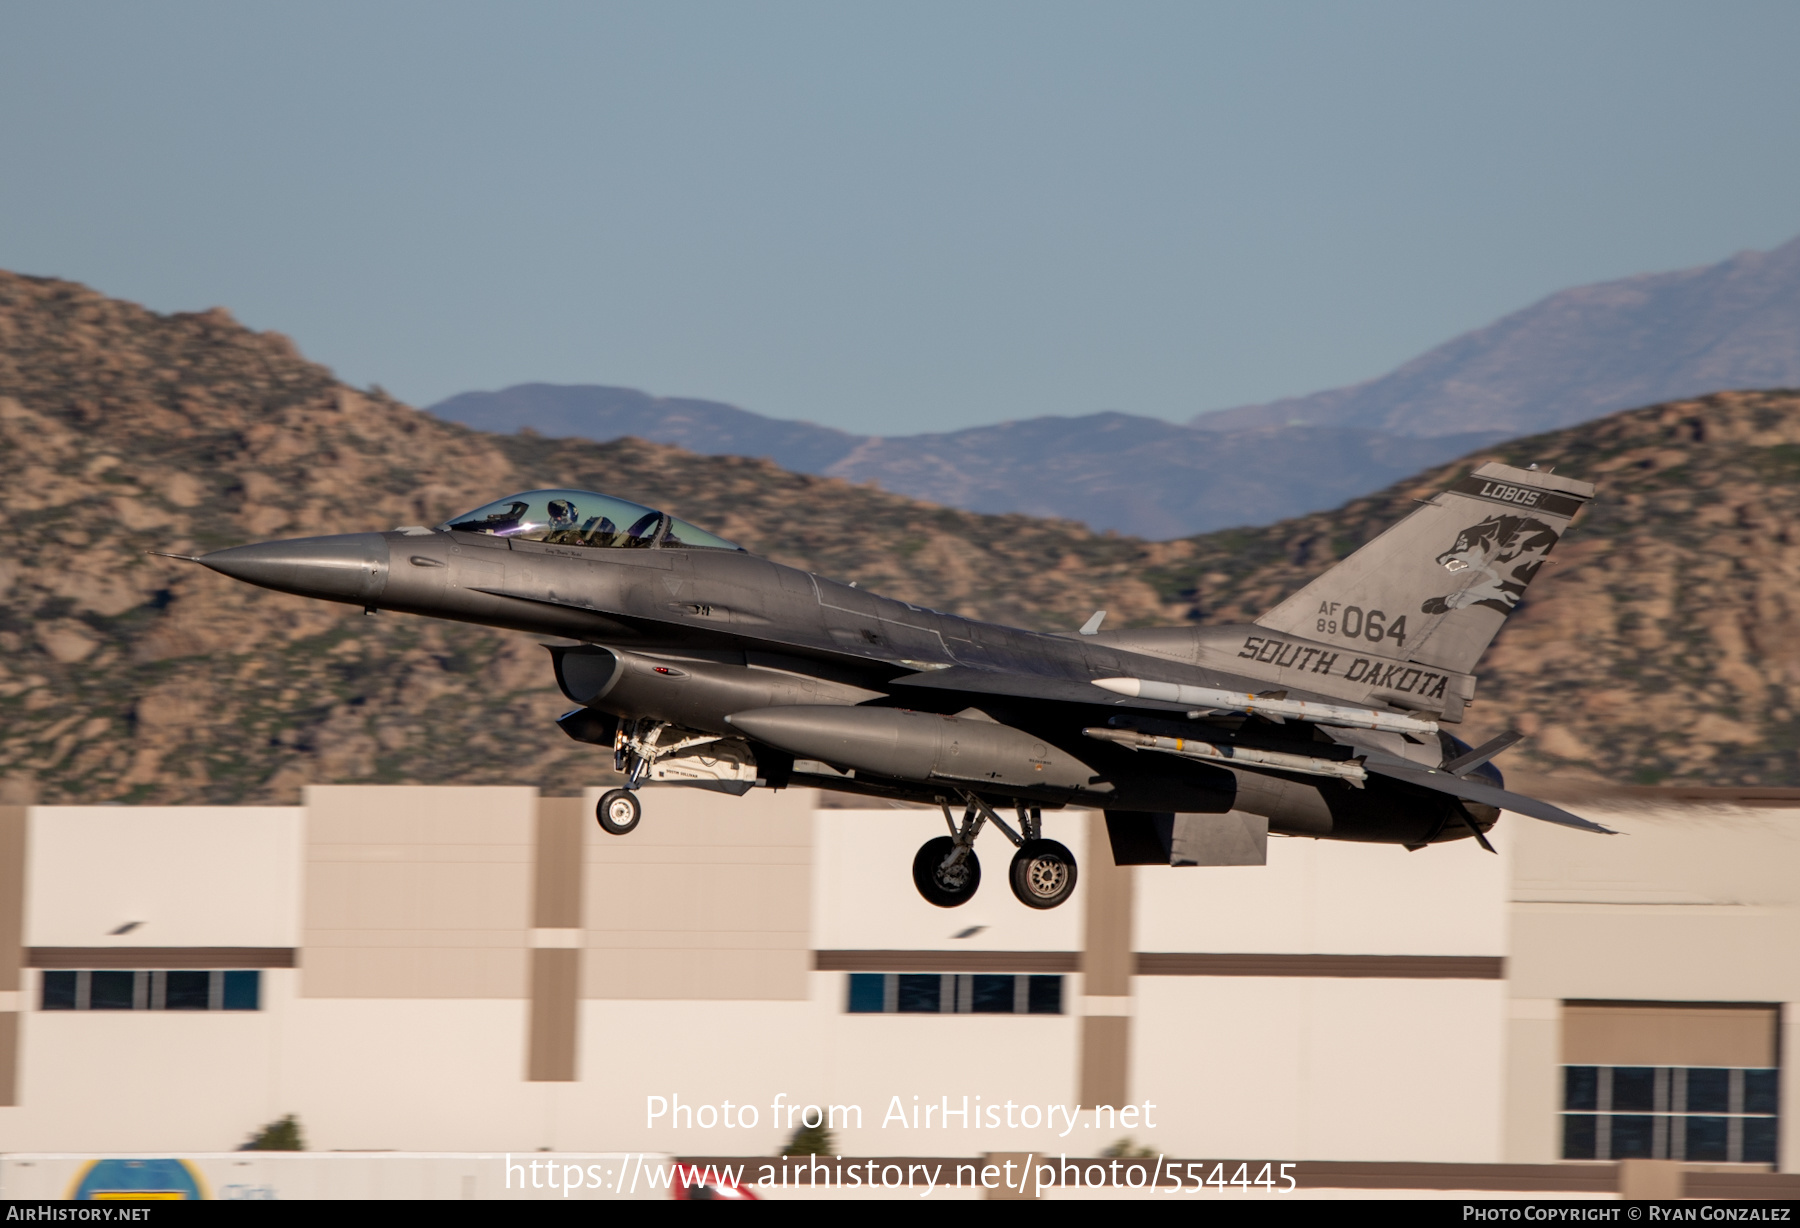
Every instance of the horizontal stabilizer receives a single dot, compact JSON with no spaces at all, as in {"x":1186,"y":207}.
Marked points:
{"x":1506,"y":799}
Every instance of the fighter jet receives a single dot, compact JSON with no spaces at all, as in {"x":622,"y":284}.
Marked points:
{"x":696,"y":662}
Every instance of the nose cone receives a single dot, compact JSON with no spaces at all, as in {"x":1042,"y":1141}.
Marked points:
{"x":352,"y":567}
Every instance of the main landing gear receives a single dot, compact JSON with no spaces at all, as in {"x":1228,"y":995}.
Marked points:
{"x":947,"y":872}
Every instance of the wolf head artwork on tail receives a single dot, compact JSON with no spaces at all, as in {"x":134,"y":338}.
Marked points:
{"x":1435,"y":588}
{"x":1506,"y":551}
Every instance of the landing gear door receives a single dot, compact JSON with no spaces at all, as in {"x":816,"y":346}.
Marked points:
{"x":1231,"y":839}
{"x":1148,"y":838}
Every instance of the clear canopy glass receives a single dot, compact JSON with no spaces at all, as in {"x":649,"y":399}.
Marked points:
{"x":585,"y":518}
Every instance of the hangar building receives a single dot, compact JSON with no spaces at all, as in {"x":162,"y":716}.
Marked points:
{"x":482,"y":969}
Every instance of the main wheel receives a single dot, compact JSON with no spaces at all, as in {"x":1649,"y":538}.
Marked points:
{"x":618,"y":812}
{"x":1043,"y":874}
{"x":945,"y":888}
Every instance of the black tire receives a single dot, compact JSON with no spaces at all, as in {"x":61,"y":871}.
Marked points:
{"x":618,"y":812}
{"x":1042,"y":874}
{"x":929,"y":877}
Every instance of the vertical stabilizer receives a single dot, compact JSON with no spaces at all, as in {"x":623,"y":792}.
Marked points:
{"x":1436,"y":587}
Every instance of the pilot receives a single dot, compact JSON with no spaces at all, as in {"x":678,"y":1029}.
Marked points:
{"x":498,"y":523}
{"x":598,"y":531}
{"x":565,"y":522}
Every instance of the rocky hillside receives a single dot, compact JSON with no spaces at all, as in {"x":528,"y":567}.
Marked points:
{"x":130,"y":677}
{"x":1660,"y":646}
{"x":1570,"y":358}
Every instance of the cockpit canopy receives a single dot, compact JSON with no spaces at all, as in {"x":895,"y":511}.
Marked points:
{"x":584,"y":518}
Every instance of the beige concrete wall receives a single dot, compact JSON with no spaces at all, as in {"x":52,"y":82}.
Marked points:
{"x":710,"y":897}
{"x":14,"y":824}
{"x":1108,"y":964}
{"x":1691,"y":904}
{"x":149,"y":1080}
{"x":1789,"y":1138}
{"x":1303,"y":1068}
{"x":418,"y":892}
{"x":190,"y":876}
{"x":293,"y":1176}
{"x":407,"y":1024}
{"x":556,"y":932}
{"x":1664,"y":1034}
{"x":1531,"y":1131}
{"x":1328,"y":897}
{"x":812,"y":1052}
{"x":418,"y":1074}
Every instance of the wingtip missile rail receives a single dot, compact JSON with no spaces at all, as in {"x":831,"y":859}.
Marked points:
{"x":1283,"y":709}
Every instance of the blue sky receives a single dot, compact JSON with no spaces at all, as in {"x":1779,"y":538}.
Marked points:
{"x":892,"y":217}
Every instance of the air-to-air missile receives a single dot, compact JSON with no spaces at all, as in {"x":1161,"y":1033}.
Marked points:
{"x":1273,"y":707}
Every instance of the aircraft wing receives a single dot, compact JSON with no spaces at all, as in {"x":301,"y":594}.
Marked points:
{"x":1475,"y":791}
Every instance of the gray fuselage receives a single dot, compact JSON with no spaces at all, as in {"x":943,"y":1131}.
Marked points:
{"x":696,"y":636}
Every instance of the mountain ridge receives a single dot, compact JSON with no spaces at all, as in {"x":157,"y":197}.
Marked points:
{"x":1141,"y":476}
{"x":1579,"y":354}
{"x":1572,"y":356}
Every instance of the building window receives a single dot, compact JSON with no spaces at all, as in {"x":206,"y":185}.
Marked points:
{"x":1697,"y":1113}
{"x":147,"y":990}
{"x":952,"y":993}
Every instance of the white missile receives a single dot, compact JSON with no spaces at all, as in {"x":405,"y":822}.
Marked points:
{"x":1287,"y":709}
{"x":1211,"y":752}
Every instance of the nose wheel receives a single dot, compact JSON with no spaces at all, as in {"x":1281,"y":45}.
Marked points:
{"x":619,"y":811}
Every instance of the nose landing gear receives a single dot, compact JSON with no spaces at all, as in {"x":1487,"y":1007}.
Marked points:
{"x":634,"y":750}
{"x":947,"y":872}
{"x":637,"y":747}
